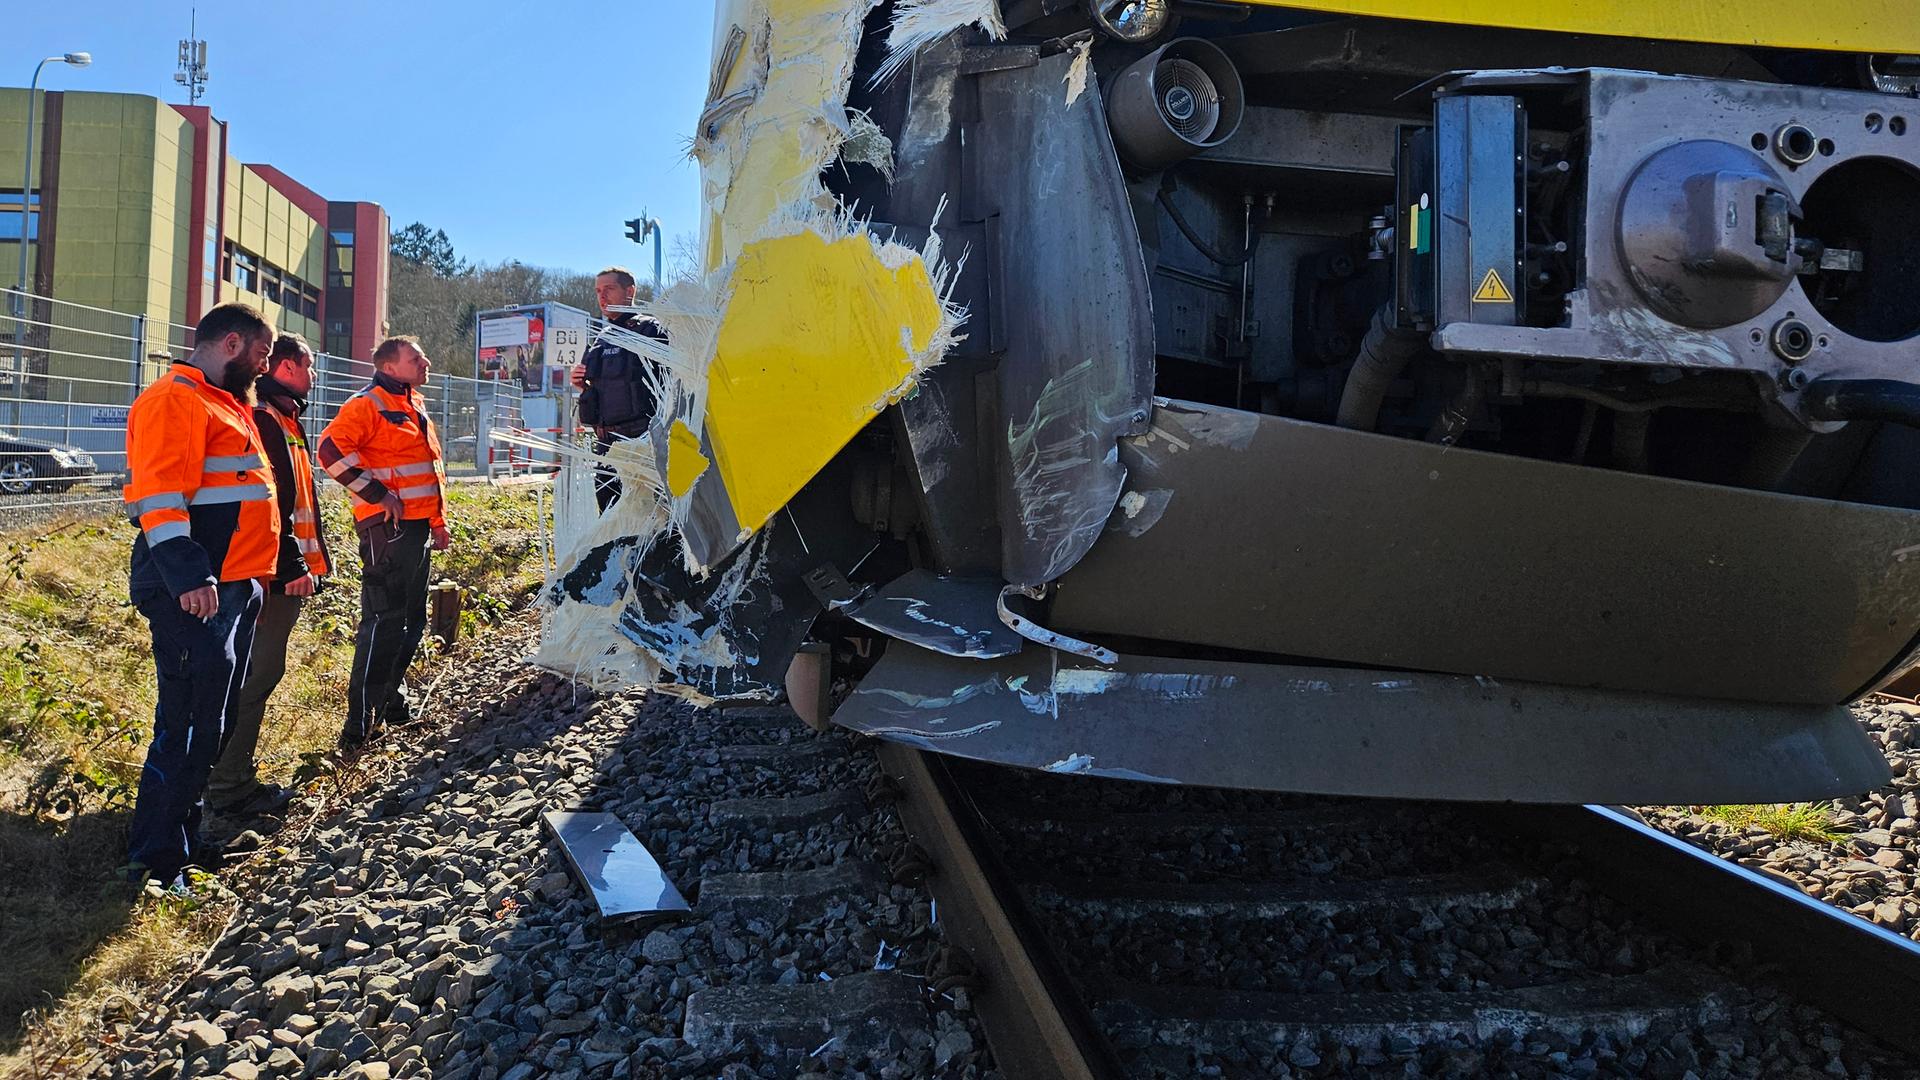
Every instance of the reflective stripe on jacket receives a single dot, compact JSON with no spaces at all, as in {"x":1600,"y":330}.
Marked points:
{"x":383,"y":441}
{"x":199,"y":487}
{"x":303,"y":517}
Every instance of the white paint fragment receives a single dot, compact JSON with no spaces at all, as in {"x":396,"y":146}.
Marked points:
{"x":1042,"y":704}
{"x":1141,"y":510}
{"x":1169,"y":685}
{"x":1086,"y":680}
{"x":924,"y":701}
{"x":1228,"y":428}
{"x":1158,"y":432}
{"x":923,"y":734}
{"x":1134,"y":774}
{"x":1181,"y":686}
{"x":1396,"y":686}
{"x":1061,"y":513}
{"x":1663,"y":342}
{"x":1076,"y":76}
{"x":919,"y":23}
{"x":1072,"y":763}
{"x":1309,"y":686}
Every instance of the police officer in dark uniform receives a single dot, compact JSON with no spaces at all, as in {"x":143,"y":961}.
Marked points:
{"x":615,"y":400}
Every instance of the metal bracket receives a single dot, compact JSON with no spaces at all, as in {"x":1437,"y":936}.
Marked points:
{"x":829,"y":586}
{"x":1040,"y":635}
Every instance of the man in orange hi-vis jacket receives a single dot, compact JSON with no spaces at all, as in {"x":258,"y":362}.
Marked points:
{"x":203,"y":497}
{"x":383,"y":449}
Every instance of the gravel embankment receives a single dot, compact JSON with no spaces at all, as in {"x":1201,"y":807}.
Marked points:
{"x":1874,"y":871}
{"x":433,"y":929}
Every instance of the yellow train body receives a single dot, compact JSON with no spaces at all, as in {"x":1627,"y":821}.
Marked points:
{"x":1868,"y":26}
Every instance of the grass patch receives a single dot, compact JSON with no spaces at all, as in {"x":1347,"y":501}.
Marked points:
{"x":76,"y":711}
{"x":1812,"y":822}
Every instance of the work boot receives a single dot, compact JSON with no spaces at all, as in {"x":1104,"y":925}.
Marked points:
{"x":399,"y":711}
{"x":131,"y":879}
{"x":261,"y":800}
{"x":353,"y":738}
{"x":140,"y":882}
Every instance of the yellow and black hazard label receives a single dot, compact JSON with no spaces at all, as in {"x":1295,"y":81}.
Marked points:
{"x":1492,"y":289}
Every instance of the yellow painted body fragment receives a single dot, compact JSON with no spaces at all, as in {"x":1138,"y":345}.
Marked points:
{"x":816,"y":339}
{"x":772,"y":157}
{"x":685,"y":462}
{"x":1877,"y":26}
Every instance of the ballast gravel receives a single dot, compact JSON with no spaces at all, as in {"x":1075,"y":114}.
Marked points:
{"x":1352,"y":976}
{"x":433,"y":929}
{"x":1873,"y":870}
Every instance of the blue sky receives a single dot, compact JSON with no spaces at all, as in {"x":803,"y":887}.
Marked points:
{"x":526,"y":131}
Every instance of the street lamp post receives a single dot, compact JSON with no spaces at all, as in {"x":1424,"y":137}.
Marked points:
{"x":77,"y":59}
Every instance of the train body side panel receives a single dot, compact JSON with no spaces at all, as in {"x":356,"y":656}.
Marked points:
{"x":1882,"y":26}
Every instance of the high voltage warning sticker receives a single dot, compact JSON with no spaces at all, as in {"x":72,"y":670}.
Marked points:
{"x":1492,"y":290}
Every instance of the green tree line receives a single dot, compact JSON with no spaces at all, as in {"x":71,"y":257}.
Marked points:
{"x":435,"y":294}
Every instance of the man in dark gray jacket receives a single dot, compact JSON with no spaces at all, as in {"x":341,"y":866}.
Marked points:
{"x":235,"y":790}
{"x":615,"y":399}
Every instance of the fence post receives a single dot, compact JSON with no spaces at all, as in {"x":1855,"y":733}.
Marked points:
{"x":139,"y":356}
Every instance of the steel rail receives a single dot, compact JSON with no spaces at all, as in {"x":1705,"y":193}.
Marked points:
{"x":1034,"y":1019}
{"x":1827,"y":957}
{"x":1039,"y":1026}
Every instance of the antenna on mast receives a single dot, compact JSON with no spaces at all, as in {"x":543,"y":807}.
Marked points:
{"x":193,"y":61}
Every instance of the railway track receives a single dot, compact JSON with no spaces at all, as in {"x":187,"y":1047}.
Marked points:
{"x":1132,"y":930}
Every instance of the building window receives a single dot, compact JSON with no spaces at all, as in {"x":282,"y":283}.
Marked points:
{"x":270,"y":283}
{"x":226,"y":263}
{"x":246,"y":271}
{"x":10,"y":217}
{"x":342,"y":237}
{"x":310,"y":302}
{"x":340,"y":267}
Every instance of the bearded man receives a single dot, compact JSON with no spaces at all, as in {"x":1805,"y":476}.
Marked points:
{"x":202,"y":495}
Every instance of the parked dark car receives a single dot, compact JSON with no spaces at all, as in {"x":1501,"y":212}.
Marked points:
{"x":32,"y":465}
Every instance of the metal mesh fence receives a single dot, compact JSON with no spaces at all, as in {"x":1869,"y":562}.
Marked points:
{"x":69,"y":372}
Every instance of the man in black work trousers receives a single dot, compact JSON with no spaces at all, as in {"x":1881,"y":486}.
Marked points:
{"x":235,"y":789}
{"x":615,"y":400}
{"x":383,"y":448}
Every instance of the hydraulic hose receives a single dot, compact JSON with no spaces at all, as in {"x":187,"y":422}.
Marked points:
{"x":1863,"y":399}
{"x":1384,"y":354}
{"x":1165,"y":197}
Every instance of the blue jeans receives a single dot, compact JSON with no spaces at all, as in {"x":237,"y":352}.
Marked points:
{"x":201,"y":666}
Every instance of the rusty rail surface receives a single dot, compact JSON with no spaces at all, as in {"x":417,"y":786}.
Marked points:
{"x":1035,"y":1022}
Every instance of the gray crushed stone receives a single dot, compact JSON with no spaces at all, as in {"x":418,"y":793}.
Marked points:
{"x":434,"y":930}
{"x":1873,"y":870}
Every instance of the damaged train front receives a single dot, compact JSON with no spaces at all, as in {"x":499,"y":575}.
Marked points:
{"x":1269,"y":396}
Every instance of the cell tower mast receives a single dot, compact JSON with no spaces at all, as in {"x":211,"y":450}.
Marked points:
{"x":193,"y":62}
